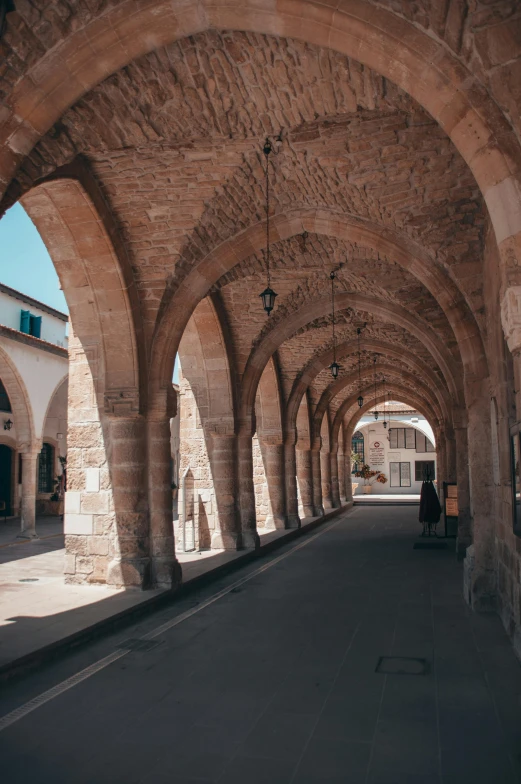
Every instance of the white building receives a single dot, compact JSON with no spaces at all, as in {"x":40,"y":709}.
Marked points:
{"x":404,"y":450}
{"x":33,"y":403}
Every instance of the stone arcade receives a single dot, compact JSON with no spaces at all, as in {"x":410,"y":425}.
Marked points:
{"x":132,"y":130}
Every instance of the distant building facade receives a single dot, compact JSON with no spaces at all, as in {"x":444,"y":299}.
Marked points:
{"x":33,"y":405}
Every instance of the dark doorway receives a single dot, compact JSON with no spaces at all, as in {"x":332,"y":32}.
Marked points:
{"x":6,"y":475}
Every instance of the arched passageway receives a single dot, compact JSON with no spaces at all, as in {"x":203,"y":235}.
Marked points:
{"x":397,"y":166}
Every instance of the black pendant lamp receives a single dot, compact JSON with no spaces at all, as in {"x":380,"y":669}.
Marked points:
{"x":375,"y":409}
{"x":360,"y":398}
{"x":268,"y":295}
{"x":385,"y":397}
{"x":334,"y":366}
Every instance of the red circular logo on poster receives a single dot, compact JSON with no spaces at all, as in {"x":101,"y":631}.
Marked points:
{"x":376,"y":444}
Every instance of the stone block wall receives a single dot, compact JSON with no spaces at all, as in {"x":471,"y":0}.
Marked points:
{"x":91,"y":538}
{"x":507,"y":555}
{"x":260,"y":483}
{"x":194,"y":458}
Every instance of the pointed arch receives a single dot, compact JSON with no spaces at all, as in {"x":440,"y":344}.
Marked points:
{"x":20,"y":402}
{"x":285,"y":326}
{"x":269,"y":408}
{"x":205,"y":364}
{"x":401,"y":250}
{"x":336,"y":388}
{"x":75,"y":224}
{"x":389,"y":350}
{"x":417,"y":62}
{"x":350,"y":413}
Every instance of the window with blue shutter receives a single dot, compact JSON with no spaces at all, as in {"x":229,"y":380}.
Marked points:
{"x":36,"y":326}
{"x":25,"y":322}
{"x":29,"y":324}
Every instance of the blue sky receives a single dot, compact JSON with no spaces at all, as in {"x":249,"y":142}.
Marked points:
{"x":26,"y":266}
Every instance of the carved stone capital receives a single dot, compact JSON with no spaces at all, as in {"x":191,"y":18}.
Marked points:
{"x":122,"y":402}
{"x":272,"y":439}
{"x":511,"y":317}
{"x":162,"y":403}
{"x":221,"y":427}
{"x":30,"y":449}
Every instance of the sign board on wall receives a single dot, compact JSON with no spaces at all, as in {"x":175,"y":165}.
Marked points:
{"x":376,"y":454}
{"x":451,"y":507}
{"x":450,"y":493}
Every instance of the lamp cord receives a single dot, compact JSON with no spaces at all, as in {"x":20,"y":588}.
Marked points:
{"x":267,"y":150}
{"x":332,"y":276}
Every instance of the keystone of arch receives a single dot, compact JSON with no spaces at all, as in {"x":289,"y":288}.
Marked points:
{"x":417,"y":62}
{"x":286,"y":327}
{"x":337,"y":386}
{"x":323,"y":361}
{"x":402,"y":250}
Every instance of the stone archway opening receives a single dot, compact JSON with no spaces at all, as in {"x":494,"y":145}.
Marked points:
{"x":403,"y":450}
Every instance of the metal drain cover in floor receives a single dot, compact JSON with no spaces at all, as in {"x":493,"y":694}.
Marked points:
{"x":402,"y":665}
{"x":139,"y":646}
{"x":29,"y":580}
{"x":429,"y":546}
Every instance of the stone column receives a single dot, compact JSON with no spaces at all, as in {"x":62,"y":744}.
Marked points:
{"x":226,"y":534}
{"x":249,"y":535}
{"x":441,"y":462}
{"x":317,"y":480}
{"x":273,"y":454}
{"x":166,"y":570}
{"x":305,"y":481}
{"x":325,"y":470}
{"x":348,"y":436}
{"x":28,"y":504}
{"x":335,"y":491}
{"x":464,"y":538}
{"x":450,"y":455}
{"x":349,"y":482}
{"x":290,"y":475}
{"x":130,"y":564}
{"x":483,"y":578}
{"x":341,"y":476}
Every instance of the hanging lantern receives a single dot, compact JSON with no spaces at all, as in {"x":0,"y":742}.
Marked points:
{"x":268,"y":299}
{"x":360,"y":401}
{"x":8,"y":423}
{"x":268,"y":295}
{"x":334,"y":368}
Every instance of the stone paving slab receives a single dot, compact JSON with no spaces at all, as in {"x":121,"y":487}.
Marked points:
{"x":39,"y":613}
{"x":276,"y":683}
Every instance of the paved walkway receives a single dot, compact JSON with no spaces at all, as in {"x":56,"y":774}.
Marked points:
{"x":37,"y":608}
{"x":269,"y":676}
{"x":46,"y":527}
